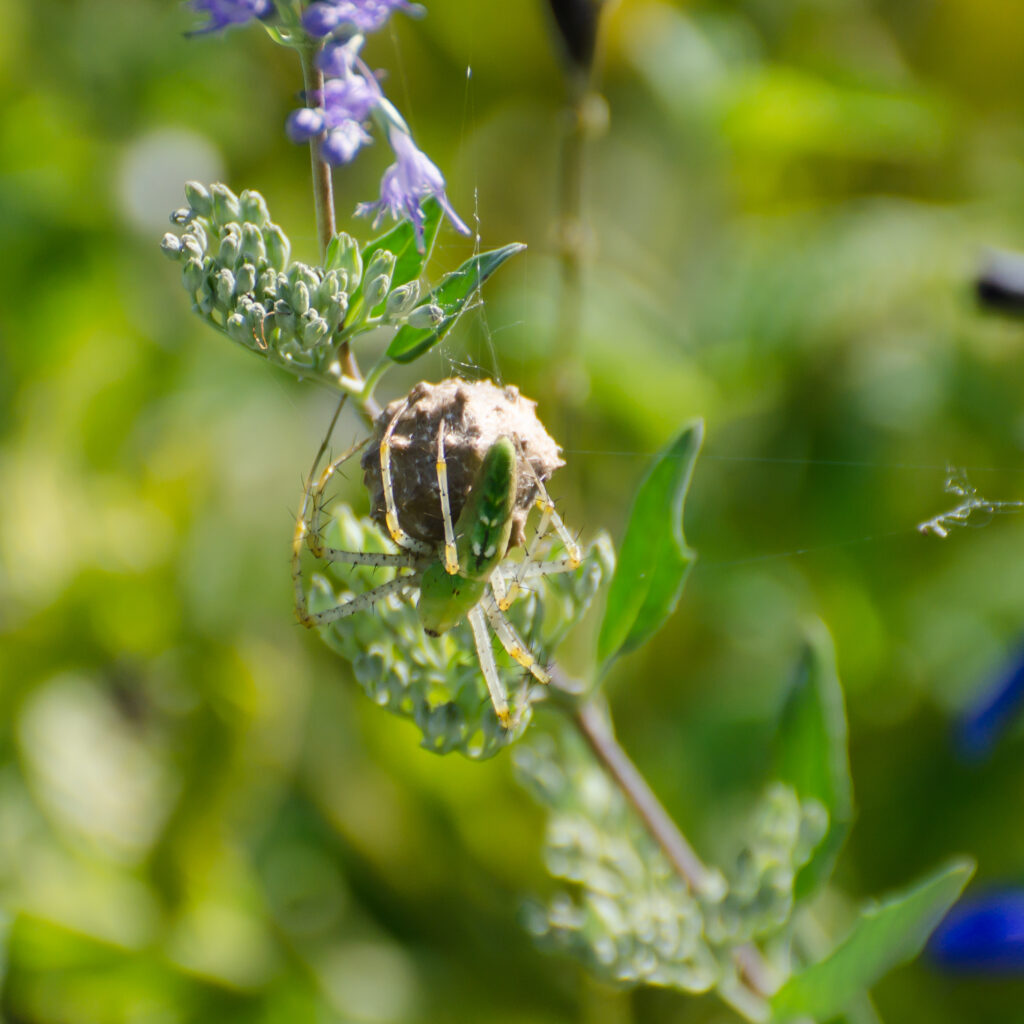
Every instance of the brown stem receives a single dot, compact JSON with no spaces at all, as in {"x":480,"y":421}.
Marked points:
{"x":596,"y":730}
{"x":323,"y":201}
{"x":323,"y":185}
{"x":595,"y":727}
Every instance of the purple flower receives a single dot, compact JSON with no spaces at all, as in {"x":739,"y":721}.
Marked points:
{"x":229,"y":12}
{"x":341,"y":107}
{"x":984,"y":934}
{"x":303,"y":124}
{"x":412,"y":178}
{"x":327,"y":16}
{"x":343,"y":142}
{"x":347,"y":99}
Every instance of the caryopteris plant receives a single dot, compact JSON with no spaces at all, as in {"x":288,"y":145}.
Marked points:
{"x":450,"y":599}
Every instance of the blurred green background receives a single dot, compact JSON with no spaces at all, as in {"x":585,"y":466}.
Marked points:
{"x":201,"y":819}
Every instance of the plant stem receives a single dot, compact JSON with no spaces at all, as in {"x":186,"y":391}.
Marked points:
{"x":326,"y":227}
{"x":596,"y":729}
{"x":323,"y":185}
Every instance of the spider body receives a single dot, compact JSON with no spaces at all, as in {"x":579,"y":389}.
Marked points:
{"x":462,"y":572}
{"x":483,"y":531}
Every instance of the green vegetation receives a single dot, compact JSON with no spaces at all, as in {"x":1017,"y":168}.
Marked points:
{"x":202,"y":817}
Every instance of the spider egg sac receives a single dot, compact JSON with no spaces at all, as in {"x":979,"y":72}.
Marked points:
{"x":474,"y":415}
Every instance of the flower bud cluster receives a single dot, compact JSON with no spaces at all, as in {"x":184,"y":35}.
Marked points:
{"x":784,"y":834}
{"x":629,"y":917}
{"x":436,"y":681}
{"x":237,"y":267}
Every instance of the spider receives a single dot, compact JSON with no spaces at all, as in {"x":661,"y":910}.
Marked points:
{"x":459,"y":570}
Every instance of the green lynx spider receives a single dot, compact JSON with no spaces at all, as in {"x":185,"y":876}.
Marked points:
{"x":462,"y":578}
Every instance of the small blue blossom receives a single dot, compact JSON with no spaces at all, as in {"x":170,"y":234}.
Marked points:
{"x":342,"y":142}
{"x":412,"y":178}
{"x":344,"y":103}
{"x":338,"y":58}
{"x":304,"y":124}
{"x":327,"y":16}
{"x":348,"y":99}
{"x":993,"y":711}
{"x":984,"y":934}
{"x":223,"y":13}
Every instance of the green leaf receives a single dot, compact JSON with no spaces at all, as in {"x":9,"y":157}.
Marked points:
{"x":886,"y":934}
{"x":654,"y":560}
{"x":451,"y":295}
{"x":401,"y":240}
{"x":811,"y":750}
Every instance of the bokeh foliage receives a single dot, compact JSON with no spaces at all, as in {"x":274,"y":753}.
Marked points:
{"x":200,"y":816}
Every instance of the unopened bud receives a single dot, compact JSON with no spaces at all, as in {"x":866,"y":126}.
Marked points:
{"x":329,"y":287}
{"x":253,"y":248}
{"x":198,"y":232}
{"x":230,"y":246}
{"x":224,"y":286}
{"x":402,"y":300}
{"x":382,"y":263}
{"x":268,"y":283}
{"x":284,"y":317}
{"x":300,"y":298}
{"x":225,"y":205}
{"x":314,"y":329}
{"x":378,"y":278}
{"x":277,"y":245}
{"x":245,"y":279}
{"x":255,"y":318}
{"x":336,"y":309}
{"x":427,"y":315}
{"x":192,"y":248}
{"x":343,"y":254}
{"x":205,"y":297}
{"x":198,"y":199}
{"x":238,"y":328}
{"x":309,"y":276}
{"x":253,"y":208}
{"x":192,"y":274}
{"x":171,"y":246}
{"x":182,"y":216}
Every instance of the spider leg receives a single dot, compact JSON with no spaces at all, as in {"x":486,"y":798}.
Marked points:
{"x":531,"y":570}
{"x":451,"y":558}
{"x":485,"y":655}
{"x":549,"y":511}
{"x":379,"y":559}
{"x":308,"y":531}
{"x":497,"y":582}
{"x":359,"y":603}
{"x":313,"y":535}
{"x":398,"y":535}
{"x":510,"y":639}
{"x":549,"y":518}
